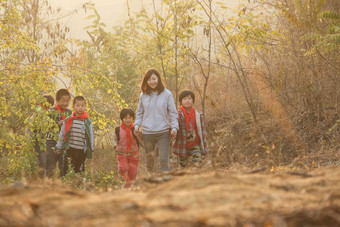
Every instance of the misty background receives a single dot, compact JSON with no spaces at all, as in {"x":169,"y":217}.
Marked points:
{"x":112,"y":12}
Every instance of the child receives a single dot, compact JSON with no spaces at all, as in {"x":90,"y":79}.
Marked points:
{"x":46,"y":103}
{"x":126,"y":144}
{"x":76,"y":137}
{"x":58,"y":114}
{"x":39,"y":133}
{"x":191,"y":137}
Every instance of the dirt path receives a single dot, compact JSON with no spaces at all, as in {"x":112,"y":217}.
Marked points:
{"x":205,"y":199}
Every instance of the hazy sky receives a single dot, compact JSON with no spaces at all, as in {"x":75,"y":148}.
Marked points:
{"x":112,"y":12}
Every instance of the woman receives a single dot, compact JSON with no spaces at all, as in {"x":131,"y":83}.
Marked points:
{"x":158,"y":116}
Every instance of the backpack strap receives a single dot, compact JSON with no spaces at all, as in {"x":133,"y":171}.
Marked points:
{"x":117,"y":131}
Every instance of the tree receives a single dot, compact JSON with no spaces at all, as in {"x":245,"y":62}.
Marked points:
{"x":102,"y":70}
{"x":164,"y":37}
{"x":231,"y":34}
{"x":205,"y":63}
{"x":26,"y":73}
{"x":299,"y":62}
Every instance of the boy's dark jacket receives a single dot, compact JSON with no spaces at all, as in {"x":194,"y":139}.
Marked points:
{"x":89,"y":138}
{"x":57,"y":116}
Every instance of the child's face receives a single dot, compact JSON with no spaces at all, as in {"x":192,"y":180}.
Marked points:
{"x":79,"y":107}
{"x":153,"y":81}
{"x":187,"y":102}
{"x":127,"y":121}
{"x":44,"y":107}
{"x":63,"y":102}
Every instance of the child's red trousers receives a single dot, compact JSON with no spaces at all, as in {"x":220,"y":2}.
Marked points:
{"x":128,"y":166}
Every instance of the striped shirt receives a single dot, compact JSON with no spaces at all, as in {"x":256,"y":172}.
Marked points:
{"x":77,"y":134}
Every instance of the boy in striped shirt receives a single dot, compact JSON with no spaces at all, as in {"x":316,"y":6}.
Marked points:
{"x":76,"y":137}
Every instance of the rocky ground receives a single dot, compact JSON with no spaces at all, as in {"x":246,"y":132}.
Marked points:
{"x":184,"y":198}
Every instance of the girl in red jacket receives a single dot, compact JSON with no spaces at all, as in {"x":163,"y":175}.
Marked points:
{"x":126,"y":144}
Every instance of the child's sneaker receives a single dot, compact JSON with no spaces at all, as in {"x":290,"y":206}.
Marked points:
{"x":183,"y":161}
{"x":127,"y":185}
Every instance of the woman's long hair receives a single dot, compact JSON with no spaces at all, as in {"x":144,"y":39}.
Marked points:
{"x":146,"y":89}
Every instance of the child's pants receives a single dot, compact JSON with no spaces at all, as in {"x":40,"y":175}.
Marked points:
{"x":128,"y":167}
{"x":52,"y":158}
{"x":77,"y":157}
{"x":41,"y":158}
{"x":194,"y":152}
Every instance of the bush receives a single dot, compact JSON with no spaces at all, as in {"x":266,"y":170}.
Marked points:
{"x":17,"y":165}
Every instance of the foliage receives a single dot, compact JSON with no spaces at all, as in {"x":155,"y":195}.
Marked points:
{"x":21,"y":164}
{"x":94,"y":70}
{"x":327,"y":39}
{"x":164,"y":37}
{"x":250,"y":30}
{"x":105,"y":179}
{"x":26,"y":73}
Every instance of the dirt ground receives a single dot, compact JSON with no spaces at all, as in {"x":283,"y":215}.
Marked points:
{"x":184,"y":198}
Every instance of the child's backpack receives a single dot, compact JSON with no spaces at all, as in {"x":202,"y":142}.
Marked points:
{"x":117,"y":131}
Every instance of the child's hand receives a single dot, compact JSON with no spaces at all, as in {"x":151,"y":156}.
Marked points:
{"x":60,"y":123}
{"x":117,"y":148}
{"x":58,"y":151}
{"x":173,"y":143}
{"x":137,"y":131}
{"x":173,"y":134}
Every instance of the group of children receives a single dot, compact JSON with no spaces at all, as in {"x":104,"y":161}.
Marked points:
{"x":76,"y":137}
{"x":75,"y":130}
